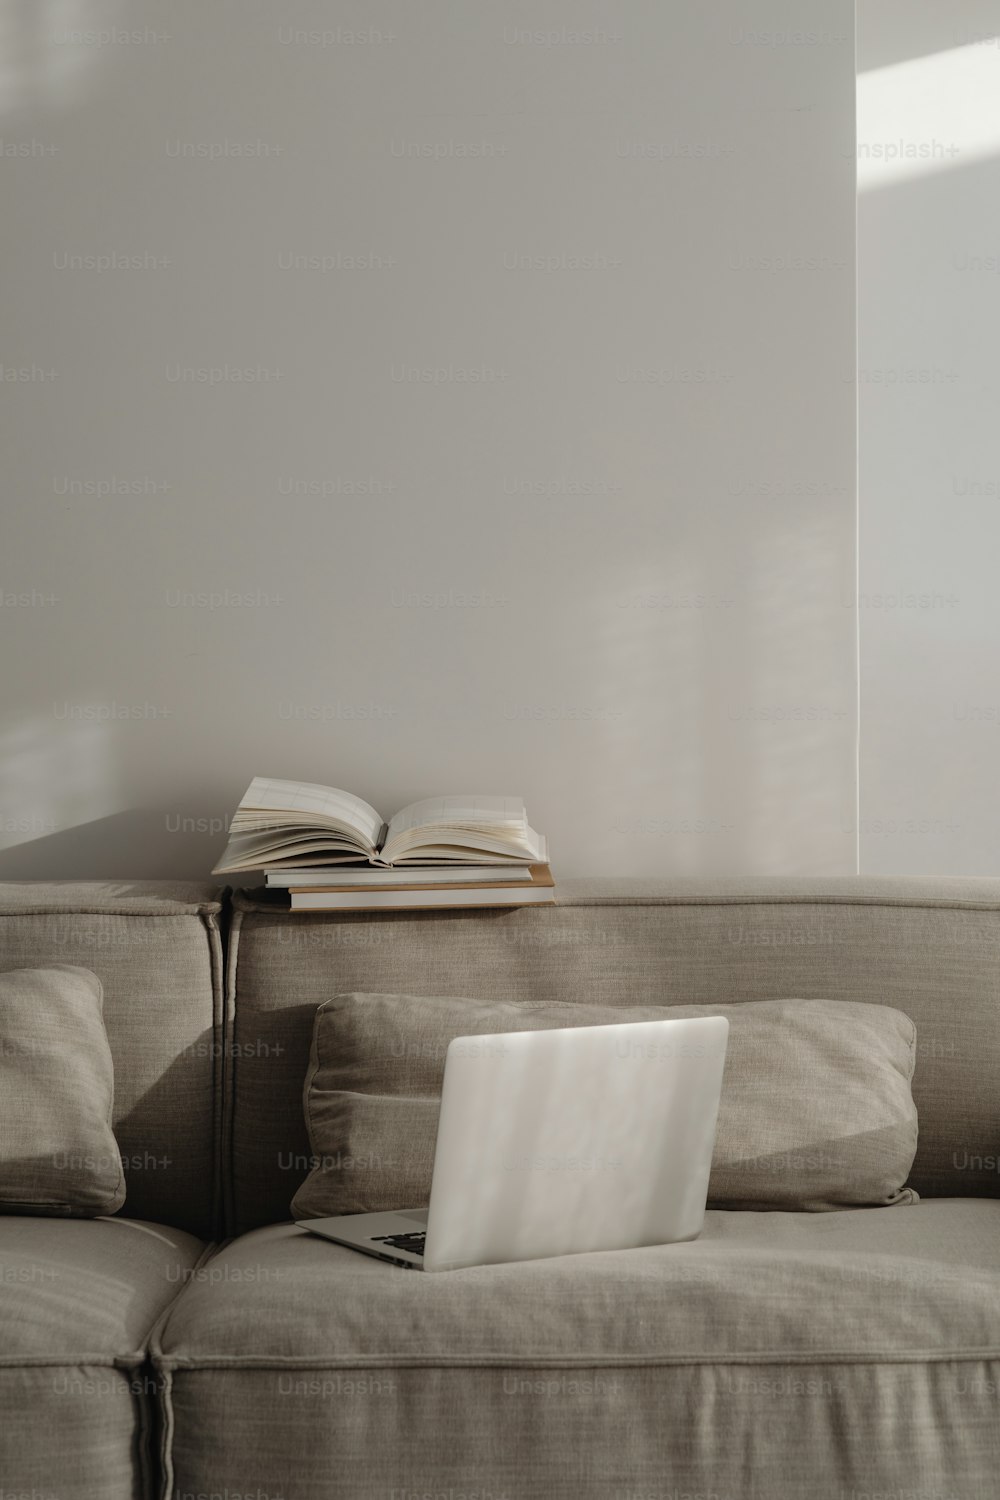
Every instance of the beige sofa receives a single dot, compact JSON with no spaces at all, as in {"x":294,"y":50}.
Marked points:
{"x":198,"y":1344}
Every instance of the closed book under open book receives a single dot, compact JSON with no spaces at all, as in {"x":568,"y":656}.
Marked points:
{"x":376,"y":877}
{"x":400,"y":900}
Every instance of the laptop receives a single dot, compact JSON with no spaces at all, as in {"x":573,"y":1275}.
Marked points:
{"x":559,"y":1142}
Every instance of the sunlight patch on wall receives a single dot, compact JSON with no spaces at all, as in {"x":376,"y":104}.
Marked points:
{"x":50,"y":50}
{"x":928,"y":114}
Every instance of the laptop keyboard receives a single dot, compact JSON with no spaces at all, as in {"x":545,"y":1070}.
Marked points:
{"x":414,"y":1242}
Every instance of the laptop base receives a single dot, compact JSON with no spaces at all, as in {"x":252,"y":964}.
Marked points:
{"x":372,"y":1234}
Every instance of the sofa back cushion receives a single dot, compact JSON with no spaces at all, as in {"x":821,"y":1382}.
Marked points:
{"x":58,"y":1153}
{"x":816,"y":1110}
{"x":930,"y":948}
{"x":155,"y":947}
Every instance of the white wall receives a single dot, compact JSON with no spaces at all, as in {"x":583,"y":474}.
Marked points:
{"x":603,"y":556}
{"x":929,"y":259}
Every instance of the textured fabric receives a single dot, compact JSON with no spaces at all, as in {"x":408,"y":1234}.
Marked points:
{"x":778,"y":1355}
{"x":930,"y":948}
{"x":77,"y":1397}
{"x":155,"y":948}
{"x":58,"y":1153}
{"x":816,"y":1110}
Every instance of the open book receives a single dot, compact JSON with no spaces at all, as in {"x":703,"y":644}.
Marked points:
{"x":290,"y":824}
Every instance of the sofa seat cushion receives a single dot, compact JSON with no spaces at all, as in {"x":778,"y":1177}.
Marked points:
{"x":78,"y":1299}
{"x":756,"y":1345}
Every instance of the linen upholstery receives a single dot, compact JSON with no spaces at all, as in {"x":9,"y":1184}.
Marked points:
{"x":58,"y":1153}
{"x":928,"y":947}
{"x":864,"y":1342}
{"x":791,"y":1355}
{"x":155,"y":947}
{"x":816,"y":1110}
{"x":78,"y":1400}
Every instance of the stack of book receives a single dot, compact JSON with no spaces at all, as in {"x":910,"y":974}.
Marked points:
{"x":331,"y":851}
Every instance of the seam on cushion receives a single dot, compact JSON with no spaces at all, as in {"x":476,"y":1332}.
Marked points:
{"x":60,"y":1209}
{"x":121,"y":1187}
{"x":749,"y":898}
{"x":177,"y":1362}
{"x":216,"y":1207}
{"x":203,"y":908}
{"x":103,"y":1361}
{"x":227,"y":1142}
{"x":915,"y":1130}
{"x":153,"y":1347}
{"x":913,"y":1045}
{"x":160,"y":1366}
{"x":147,"y":1406}
{"x":314,"y":1066}
{"x":913,"y":903}
{"x":166,"y":1435}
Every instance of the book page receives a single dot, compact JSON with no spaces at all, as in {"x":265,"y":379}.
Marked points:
{"x":463,"y":810}
{"x":268,"y":794}
{"x":235,"y":862}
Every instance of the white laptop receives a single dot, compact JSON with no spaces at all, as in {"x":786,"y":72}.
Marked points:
{"x":556,"y":1142}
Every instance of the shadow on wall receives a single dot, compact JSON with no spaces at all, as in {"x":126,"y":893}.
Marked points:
{"x":128,"y":845}
{"x":54,"y":786}
{"x":899,"y":31}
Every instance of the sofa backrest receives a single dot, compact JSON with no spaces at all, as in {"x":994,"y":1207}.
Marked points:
{"x":156,"y":948}
{"x":929,"y":947}
{"x":208,"y":1086}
